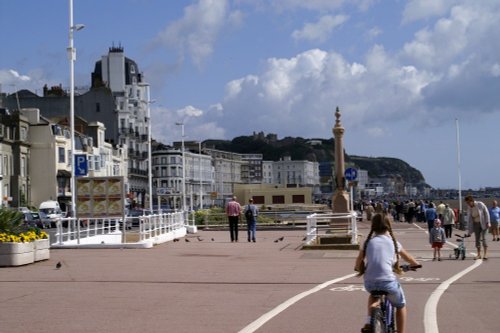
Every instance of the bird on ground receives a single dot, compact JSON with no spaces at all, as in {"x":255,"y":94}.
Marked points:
{"x":276,"y":240}
{"x":281,"y":238}
{"x":213,"y":239}
{"x":200,"y":239}
{"x":176,"y":239}
{"x":186,"y":240}
{"x":303,"y":239}
{"x":58,"y":265}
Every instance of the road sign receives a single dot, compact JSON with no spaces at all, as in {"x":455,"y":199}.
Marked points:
{"x":81,"y":165}
{"x":351,"y":174}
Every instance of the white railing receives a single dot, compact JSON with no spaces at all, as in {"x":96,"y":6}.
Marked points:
{"x":108,"y":232}
{"x":314,"y":227}
{"x":162,"y":227}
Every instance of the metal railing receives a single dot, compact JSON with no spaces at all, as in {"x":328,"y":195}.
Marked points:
{"x":341,"y":223}
{"x":156,"y":228}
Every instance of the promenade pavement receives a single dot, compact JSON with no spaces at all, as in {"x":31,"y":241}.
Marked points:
{"x":212,"y":285}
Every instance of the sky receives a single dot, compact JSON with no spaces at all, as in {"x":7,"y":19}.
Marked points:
{"x":417,"y":80}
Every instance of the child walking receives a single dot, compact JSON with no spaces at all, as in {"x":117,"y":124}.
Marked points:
{"x":437,"y":238}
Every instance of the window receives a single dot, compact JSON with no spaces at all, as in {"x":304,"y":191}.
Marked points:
{"x":23,"y":133}
{"x":258,"y":199}
{"x":97,"y":163}
{"x":298,"y":198}
{"x":23,"y":166}
{"x":61,"y":155}
{"x":278,"y":199}
{"x":91,"y":162}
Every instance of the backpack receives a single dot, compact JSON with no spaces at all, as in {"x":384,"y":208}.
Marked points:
{"x":249,"y":213}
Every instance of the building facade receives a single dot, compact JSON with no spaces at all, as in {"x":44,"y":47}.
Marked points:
{"x":119,"y":98}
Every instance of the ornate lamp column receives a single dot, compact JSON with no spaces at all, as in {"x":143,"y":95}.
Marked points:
{"x":340,"y":199}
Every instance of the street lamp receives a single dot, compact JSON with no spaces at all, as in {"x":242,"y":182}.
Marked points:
{"x":72,"y":58}
{"x":183,"y":167}
{"x":201,"y":177}
{"x":150,"y":170}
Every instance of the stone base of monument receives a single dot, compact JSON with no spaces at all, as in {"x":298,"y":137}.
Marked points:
{"x":332,"y":242}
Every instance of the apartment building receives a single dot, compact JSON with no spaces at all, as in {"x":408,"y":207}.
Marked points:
{"x":290,"y":173}
{"x":119,"y":98}
{"x":168,"y":174}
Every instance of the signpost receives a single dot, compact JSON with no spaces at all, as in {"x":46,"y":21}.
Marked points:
{"x":351,"y":175}
{"x":81,"y":165}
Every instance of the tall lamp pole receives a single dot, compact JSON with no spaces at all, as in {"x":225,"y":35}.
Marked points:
{"x":201,"y":178}
{"x":459,"y":170}
{"x":183,"y":167}
{"x":72,"y":58}
{"x":150,"y":169}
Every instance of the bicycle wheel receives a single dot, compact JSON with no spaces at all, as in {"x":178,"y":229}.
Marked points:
{"x":377,"y":321}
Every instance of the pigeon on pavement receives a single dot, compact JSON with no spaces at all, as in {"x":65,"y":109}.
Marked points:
{"x":58,"y":265}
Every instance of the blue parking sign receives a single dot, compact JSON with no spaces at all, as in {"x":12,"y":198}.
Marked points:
{"x":81,"y":165}
{"x":351,"y":174}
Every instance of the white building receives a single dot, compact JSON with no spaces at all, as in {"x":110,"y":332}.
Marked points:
{"x":289,"y":173}
{"x":167,"y":178}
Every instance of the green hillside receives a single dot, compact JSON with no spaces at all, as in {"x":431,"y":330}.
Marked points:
{"x":319,"y":150}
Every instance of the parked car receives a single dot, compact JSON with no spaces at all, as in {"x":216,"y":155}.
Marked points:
{"x":45,"y":221}
{"x":30,"y":220}
{"x":133,"y":216}
{"x":53,"y":211}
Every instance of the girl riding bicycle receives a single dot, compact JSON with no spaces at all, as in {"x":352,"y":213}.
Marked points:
{"x":378,"y":260}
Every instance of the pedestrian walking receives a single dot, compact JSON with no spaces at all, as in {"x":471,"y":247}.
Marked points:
{"x":251,"y":212}
{"x":494,"y":220}
{"x":478,"y":221}
{"x":437,"y":238}
{"x":233,"y":211}
{"x":448,"y":220}
{"x":430,"y":216}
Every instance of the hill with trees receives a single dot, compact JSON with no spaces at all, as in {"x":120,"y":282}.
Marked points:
{"x":315,"y":149}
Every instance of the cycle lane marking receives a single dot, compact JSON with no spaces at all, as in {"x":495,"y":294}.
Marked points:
{"x":430,"y":310}
{"x":259,"y":322}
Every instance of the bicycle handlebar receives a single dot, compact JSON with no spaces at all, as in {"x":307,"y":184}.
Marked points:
{"x":407,"y":267}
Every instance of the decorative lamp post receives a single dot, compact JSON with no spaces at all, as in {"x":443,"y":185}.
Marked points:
{"x":72,"y":58}
{"x":183,"y":167}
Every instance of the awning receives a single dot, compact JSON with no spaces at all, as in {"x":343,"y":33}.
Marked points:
{"x":63,"y":173}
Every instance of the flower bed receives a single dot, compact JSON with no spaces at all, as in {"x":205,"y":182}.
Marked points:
{"x":24,"y":248}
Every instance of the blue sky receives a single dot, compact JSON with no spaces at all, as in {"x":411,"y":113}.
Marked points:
{"x":400,"y":71}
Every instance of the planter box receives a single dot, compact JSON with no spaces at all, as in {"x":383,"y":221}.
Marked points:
{"x":42,"y":249}
{"x":17,"y":254}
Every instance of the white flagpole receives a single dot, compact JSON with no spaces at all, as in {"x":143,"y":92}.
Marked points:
{"x":459,"y":172}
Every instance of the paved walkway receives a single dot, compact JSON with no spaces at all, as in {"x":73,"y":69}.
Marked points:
{"x":205,"y":285}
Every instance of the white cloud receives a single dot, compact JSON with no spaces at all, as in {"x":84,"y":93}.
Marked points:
{"x":321,"y":30}
{"x":424,"y":9}
{"x":374,"y":32}
{"x":189,"y":111}
{"x":10,"y":77}
{"x":196,"y":32}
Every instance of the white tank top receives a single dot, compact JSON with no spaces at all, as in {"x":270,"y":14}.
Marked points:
{"x":380,"y":258}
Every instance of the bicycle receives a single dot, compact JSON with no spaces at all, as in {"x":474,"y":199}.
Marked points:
{"x":383,"y":316}
{"x":460,"y":250}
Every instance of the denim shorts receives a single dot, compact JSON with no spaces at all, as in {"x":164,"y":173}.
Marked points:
{"x":395,"y":293}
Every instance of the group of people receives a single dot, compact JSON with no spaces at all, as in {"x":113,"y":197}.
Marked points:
{"x":378,"y":258}
{"x":250,"y":212}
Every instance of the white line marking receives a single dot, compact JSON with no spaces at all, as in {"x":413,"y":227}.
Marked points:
{"x":430,"y":311}
{"x":252,"y":327}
